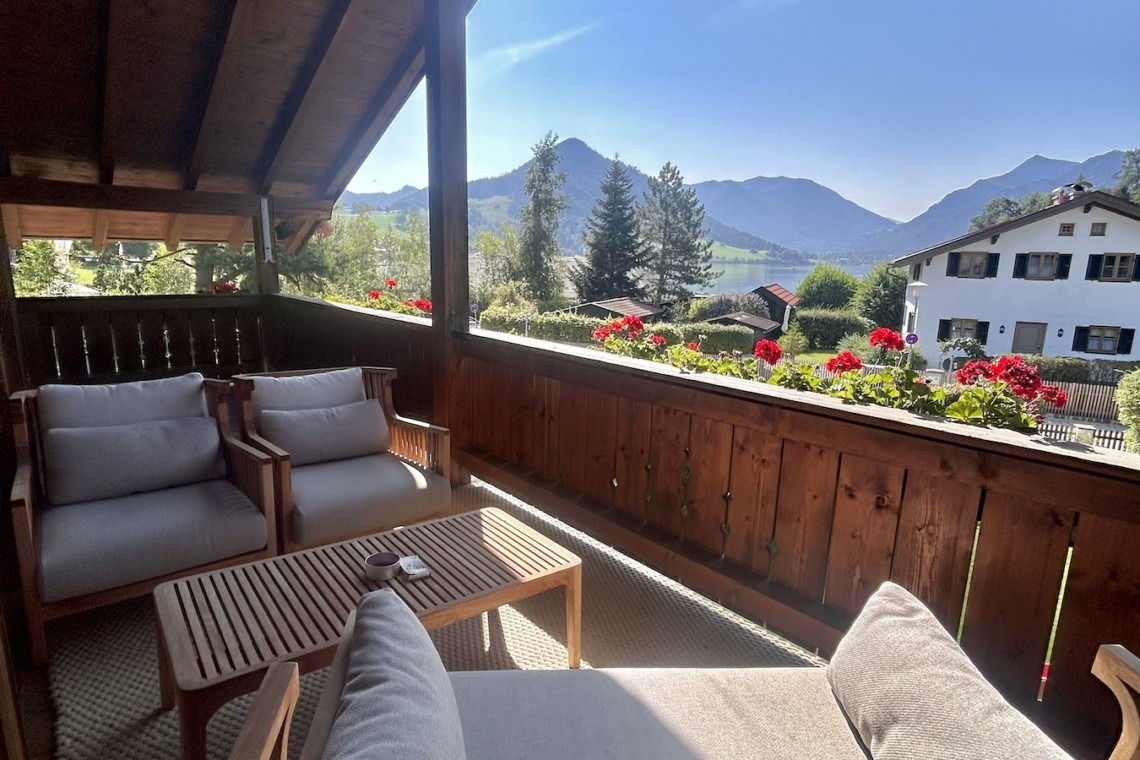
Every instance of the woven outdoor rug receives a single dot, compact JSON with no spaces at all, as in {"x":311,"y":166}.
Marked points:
{"x":104,"y":674}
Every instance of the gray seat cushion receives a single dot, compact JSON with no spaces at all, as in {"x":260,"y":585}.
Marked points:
{"x":121,"y":403}
{"x":912,"y":692}
{"x":351,"y":497}
{"x":99,"y":545}
{"x":322,"y":435}
{"x":652,"y":714}
{"x":313,"y":391}
{"x":396,"y":701}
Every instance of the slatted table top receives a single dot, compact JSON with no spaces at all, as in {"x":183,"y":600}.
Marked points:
{"x":229,"y":622}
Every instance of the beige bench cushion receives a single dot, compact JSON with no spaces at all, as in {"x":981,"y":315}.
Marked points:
{"x":351,"y":497}
{"x":652,"y":714}
{"x":912,"y":692}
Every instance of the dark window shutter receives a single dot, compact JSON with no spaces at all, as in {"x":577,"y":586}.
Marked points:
{"x":992,"y":264}
{"x":1124,"y":342}
{"x":944,"y":329}
{"x":952,"y":264}
{"x":983,"y":332}
{"x":1136,"y":269}
{"x":1020,"y":262}
{"x":1092,"y":272}
{"x":1063,"y":262}
{"x":1081,"y":339}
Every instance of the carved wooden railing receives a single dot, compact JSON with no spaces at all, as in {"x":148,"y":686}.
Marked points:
{"x":117,"y":339}
{"x":795,"y":507}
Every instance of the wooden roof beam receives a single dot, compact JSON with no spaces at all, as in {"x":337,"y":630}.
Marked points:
{"x":106,"y":115}
{"x":237,"y":234}
{"x":32,"y":191}
{"x":311,"y":78}
{"x":11,"y":218}
{"x":99,"y":232}
{"x":174,"y":231}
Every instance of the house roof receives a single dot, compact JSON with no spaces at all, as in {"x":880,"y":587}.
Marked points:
{"x":1088,"y":200}
{"x":776,"y":290}
{"x":627,"y":307}
{"x":748,"y":320}
{"x":166,"y":120}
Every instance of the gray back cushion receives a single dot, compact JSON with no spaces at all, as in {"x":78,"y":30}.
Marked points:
{"x":397,"y":700}
{"x":77,"y":406}
{"x":911,"y":692}
{"x":90,"y":463}
{"x":323,"y":435}
{"x":315,"y":391}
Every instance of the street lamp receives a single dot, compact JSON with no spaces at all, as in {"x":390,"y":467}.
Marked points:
{"x":916,"y":290}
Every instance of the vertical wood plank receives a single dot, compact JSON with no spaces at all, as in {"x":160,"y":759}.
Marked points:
{"x":462,"y":396}
{"x":710,"y":442}
{"x":1013,"y":593}
{"x":204,"y":346}
{"x":249,"y":336}
{"x":669,"y":437}
{"x":600,"y":442}
{"x":634,"y":421}
{"x":553,"y":422}
{"x":1101,"y":606}
{"x":69,"y":351}
{"x":803,"y":516}
{"x":502,"y":422}
{"x":935,"y":539}
{"x":523,"y":449}
{"x":867,"y":502}
{"x":754,"y":488}
{"x":153,"y":336}
{"x":226,"y":332}
{"x":481,"y":406}
{"x":178,"y":333}
{"x":573,"y":437}
{"x":100,"y":352}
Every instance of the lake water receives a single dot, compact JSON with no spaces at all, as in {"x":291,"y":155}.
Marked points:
{"x":741,"y":276}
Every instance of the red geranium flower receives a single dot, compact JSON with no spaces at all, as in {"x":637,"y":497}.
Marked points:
{"x":633,"y":324}
{"x":888,"y":339}
{"x":693,"y":346}
{"x":423,"y":305}
{"x":843,"y":362}
{"x":390,"y":283}
{"x":1051,"y":394}
{"x":658,"y":340}
{"x":601,"y":333}
{"x":373,"y":295}
{"x":767,"y":351}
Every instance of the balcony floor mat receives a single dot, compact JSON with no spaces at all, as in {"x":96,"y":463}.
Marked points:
{"x":103,"y":675}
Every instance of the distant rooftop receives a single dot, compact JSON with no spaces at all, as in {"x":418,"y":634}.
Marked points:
{"x":779,"y":291}
{"x":762,"y":324}
{"x":627,"y":307}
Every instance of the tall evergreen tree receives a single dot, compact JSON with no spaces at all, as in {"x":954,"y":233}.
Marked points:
{"x":539,"y":217}
{"x":672,"y":225}
{"x":614,"y":250}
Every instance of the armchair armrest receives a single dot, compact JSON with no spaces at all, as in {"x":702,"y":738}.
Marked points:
{"x":422,"y":443}
{"x":265,"y":733}
{"x":1119,"y":669}
{"x":252,"y":472}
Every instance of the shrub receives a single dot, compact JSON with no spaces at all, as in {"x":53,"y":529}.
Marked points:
{"x":824,"y":328}
{"x":857,"y":344}
{"x":881,"y":295}
{"x":793,"y":342}
{"x":1073,"y":369}
{"x":1128,"y":399}
{"x":827,"y":287}
{"x":726,"y":303}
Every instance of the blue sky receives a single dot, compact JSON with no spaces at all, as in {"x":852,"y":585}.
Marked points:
{"x":891,"y":103}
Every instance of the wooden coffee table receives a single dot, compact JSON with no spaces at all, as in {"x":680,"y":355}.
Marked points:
{"x":219,"y":631}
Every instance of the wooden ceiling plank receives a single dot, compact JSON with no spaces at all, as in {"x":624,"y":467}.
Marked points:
{"x":377,"y":116}
{"x":174,"y":231}
{"x":107,"y":119}
{"x":226,"y":74}
{"x":30,"y":191}
{"x":237,"y":233}
{"x":313,"y":73}
{"x":99,"y":233}
{"x":11,"y":218}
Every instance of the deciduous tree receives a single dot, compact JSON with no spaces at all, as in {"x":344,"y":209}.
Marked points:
{"x":826,"y":287}
{"x":881,"y":294}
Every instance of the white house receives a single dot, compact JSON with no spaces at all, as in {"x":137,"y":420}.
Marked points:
{"x":1063,"y":281}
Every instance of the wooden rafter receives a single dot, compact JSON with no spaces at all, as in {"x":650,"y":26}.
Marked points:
{"x":174,"y":231}
{"x":31,"y":191}
{"x":310,"y":80}
{"x":237,"y":233}
{"x":225,"y":73}
{"x":99,"y":233}
{"x":11,"y":219}
{"x":106,"y":145}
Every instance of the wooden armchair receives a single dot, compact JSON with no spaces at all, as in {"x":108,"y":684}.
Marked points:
{"x":265,"y":733}
{"x":113,"y":496}
{"x":345,"y":463}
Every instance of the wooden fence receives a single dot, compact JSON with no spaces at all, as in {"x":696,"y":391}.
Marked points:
{"x":794,"y":508}
{"x":1089,"y":402}
{"x":1105,"y":439}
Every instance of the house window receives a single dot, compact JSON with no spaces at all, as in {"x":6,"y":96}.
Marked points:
{"x":1116,"y":267}
{"x":1066,"y":229}
{"x":1102,"y":340}
{"x":972,"y":264}
{"x":916,"y":272}
{"x":963,"y":328}
{"x":1098,"y":229}
{"x":1041,"y":266}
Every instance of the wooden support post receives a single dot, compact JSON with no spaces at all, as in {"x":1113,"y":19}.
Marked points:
{"x":13,"y":374}
{"x":445,"y":60}
{"x":265,"y":248}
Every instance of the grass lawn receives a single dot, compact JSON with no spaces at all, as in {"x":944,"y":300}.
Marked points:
{"x":720,"y":251}
{"x":85,"y":274}
{"x":815,"y":357}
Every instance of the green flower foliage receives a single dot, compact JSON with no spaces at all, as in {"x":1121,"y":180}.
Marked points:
{"x":1128,"y":399}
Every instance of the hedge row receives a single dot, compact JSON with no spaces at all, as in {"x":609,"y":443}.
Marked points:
{"x":1072,"y":369}
{"x":824,"y":328}
{"x":564,"y":327}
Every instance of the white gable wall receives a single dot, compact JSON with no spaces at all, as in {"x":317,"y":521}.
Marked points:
{"x":1061,"y":304}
